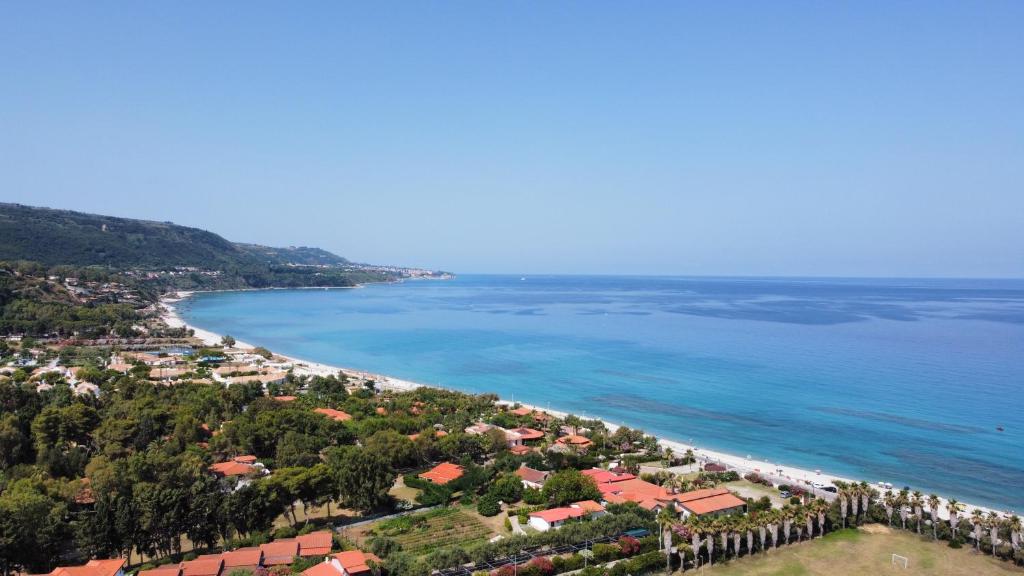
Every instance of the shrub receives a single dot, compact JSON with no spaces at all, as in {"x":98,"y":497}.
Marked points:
{"x":628,"y":546}
{"x":606,"y":552}
{"x":508,"y":524}
{"x":567,"y":563}
{"x":533,"y":496}
{"x":543,"y":565}
{"x":488,"y":506}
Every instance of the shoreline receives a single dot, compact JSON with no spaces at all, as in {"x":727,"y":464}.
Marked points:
{"x":743,"y":465}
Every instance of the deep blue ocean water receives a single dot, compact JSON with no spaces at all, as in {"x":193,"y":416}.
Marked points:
{"x":904,"y":381}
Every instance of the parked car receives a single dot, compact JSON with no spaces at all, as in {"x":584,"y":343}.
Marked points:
{"x":785,"y":495}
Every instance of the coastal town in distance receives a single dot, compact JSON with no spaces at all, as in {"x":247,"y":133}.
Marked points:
{"x":511,"y":288}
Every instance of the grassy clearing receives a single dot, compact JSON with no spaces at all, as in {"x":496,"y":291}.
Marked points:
{"x":860,"y":553}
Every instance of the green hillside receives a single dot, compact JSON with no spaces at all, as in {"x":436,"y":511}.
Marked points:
{"x":62,"y":237}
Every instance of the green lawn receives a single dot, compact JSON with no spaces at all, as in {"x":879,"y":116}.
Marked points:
{"x":866,"y":553}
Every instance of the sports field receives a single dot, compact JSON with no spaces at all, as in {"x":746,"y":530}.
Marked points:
{"x":866,"y":552}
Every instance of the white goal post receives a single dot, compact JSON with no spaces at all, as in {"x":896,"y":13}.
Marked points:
{"x":898,"y":560}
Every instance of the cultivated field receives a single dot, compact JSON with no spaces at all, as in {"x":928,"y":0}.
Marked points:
{"x":421,"y":533}
{"x":866,"y":553}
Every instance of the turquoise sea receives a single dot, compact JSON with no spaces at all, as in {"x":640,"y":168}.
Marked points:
{"x":904,"y":381}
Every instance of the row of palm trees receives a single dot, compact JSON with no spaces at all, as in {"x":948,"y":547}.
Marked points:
{"x":735,"y":534}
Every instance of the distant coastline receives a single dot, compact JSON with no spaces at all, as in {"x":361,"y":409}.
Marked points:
{"x":744,"y":465}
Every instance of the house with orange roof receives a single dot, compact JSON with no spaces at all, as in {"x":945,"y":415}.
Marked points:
{"x":205,"y":565}
{"x":521,"y":411}
{"x":709,"y":502}
{"x":348,"y":563}
{"x":336,"y":415}
{"x":443,"y":473}
{"x":602,"y":476}
{"x":576,"y":441}
{"x":111,"y":567}
{"x":532,"y":478}
{"x":240,"y":467}
{"x":242,"y":559}
{"x":315,"y":543}
{"x":279,"y":552}
{"x":437,"y":434}
{"x":553,"y":518}
{"x":284,"y":398}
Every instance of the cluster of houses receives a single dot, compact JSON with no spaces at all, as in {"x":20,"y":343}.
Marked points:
{"x":620,"y":487}
{"x":281,"y":552}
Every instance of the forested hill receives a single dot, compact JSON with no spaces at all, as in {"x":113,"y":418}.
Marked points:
{"x":54,"y":237}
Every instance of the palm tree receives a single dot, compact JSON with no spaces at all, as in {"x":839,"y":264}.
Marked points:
{"x":668,"y":457}
{"x":667,"y":519}
{"x":933,"y":510}
{"x":737,"y":533}
{"x":773,"y":517}
{"x":953,"y":507}
{"x":820,"y":508}
{"x":917,"y":502}
{"x":1014,"y":524}
{"x":711,"y":529}
{"x":762,"y":530}
{"x":994,"y":522}
{"x":723,"y":525}
{"x":696,"y":536}
{"x":889,"y":502}
{"x":844,"y":494}
{"x":977,"y":522}
{"x":787,"y":522}
{"x":902,"y":501}
{"x":865,"y":496}
{"x":748,"y":528}
{"x":854,"y":500}
{"x":808,"y":515}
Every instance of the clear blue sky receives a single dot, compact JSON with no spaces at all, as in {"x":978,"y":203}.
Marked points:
{"x":778,"y":138}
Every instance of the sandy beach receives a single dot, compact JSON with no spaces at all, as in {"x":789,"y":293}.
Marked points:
{"x":777,"y":472}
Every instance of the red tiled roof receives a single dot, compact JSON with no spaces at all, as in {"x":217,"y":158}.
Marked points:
{"x":231,"y":468}
{"x":246,"y":459}
{"x":702,"y":493}
{"x":203,"y":566}
{"x":315,"y":543}
{"x":524,"y":411}
{"x":531,"y":475}
{"x":602,"y":476}
{"x":279,"y":552}
{"x":284,"y":398}
{"x":575,"y":440}
{"x":528,"y":433}
{"x":437,"y":434}
{"x":443,"y":473}
{"x":355,"y":562}
{"x":713,"y":504}
{"x":588,"y":506}
{"x":333,"y":414}
{"x":519,"y":450}
{"x":91,"y":568}
{"x":321,"y":569}
{"x":558,"y":514}
{"x":242,"y":557}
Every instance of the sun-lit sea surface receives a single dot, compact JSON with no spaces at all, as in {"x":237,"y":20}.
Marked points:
{"x":904,"y":381}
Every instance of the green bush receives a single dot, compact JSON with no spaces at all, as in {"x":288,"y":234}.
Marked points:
{"x":285,"y":532}
{"x":488,"y":506}
{"x":606,"y":552}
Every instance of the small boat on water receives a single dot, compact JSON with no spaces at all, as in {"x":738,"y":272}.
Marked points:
{"x":1000,"y":429}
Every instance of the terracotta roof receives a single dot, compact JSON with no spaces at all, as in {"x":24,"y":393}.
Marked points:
{"x":284,"y":398}
{"x":355,"y":562}
{"x":315,"y":543}
{"x":531,"y":475}
{"x":203,"y":566}
{"x":524,"y":411}
{"x":575,"y":440}
{"x":443,"y":473}
{"x":528,"y":433}
{"x":321,"y":569}
{"x":162,"y":571}
{"x":520,"y":449}
{"x":702,"y":493}
{"x":245,"y":459}
{"x":588,"y":506}
{"x":85,"y":495}
{"x":91,"y":568}
{"x":231,"y":468}
{"x":242,"y":557}
{"x":437,"y":434}
{"x":279,"y":552}
{"x":558,"y":514}
{"x":602,"y":476}
{"x":713,"y":504}
{"x":333,"y":414}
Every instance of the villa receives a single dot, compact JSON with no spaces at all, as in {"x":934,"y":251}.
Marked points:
{"x":532,"y":478}
{"x":111,"y":567}
{"x":349,"y":563}
{"x":557,"y":517}
{"x":443,"y":473}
